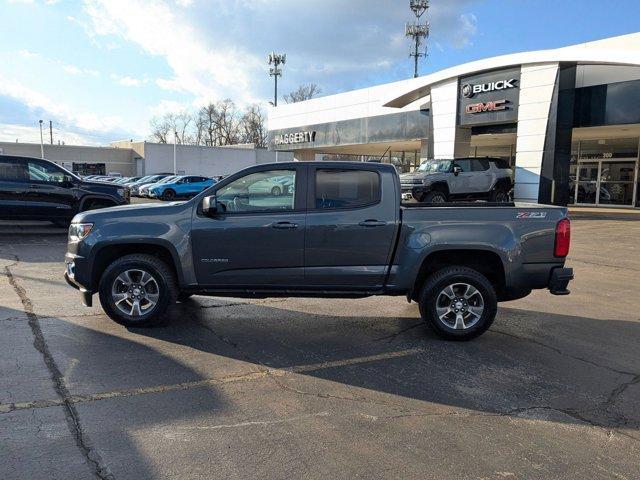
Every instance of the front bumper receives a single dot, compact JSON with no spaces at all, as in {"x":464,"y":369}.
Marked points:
{"x":72,"y":280}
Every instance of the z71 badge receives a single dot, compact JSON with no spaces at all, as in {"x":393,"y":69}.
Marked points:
{"x":531,"y":215}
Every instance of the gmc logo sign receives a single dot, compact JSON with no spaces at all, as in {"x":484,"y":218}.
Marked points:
{"x":494,"y":106}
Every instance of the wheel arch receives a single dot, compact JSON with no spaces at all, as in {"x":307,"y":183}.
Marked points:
{"x":485,"y":261}
{"x":87,"y":200}
{"x":104,"y":255}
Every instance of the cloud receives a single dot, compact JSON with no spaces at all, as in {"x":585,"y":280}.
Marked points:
{"x":217,"y":49}
{"x":88,"y":121}
{"x":73,"y":70}
{"x":31,"y":134}
{"x":127,"y":81}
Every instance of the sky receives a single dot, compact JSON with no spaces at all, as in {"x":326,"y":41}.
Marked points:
{"x":101,"y":69}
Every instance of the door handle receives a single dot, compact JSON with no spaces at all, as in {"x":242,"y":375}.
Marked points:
{"x":372,"y":223}
{"x":284,"y":225}
{"x":33,"y":186}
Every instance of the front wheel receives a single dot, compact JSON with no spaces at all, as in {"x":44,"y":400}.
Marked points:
{"x":137,"y":289}
{"x":168,"y":195}
{"x":276,"y":192}
{"x":500,"y":195}
{"x":458,"y":302}
{"x":435,"y":196}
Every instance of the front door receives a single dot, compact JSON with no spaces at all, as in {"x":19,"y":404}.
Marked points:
{"x":350,"y":230}
{"x":256,"y":238}
{"x":461,"y":184}
{"x":49,"y":191}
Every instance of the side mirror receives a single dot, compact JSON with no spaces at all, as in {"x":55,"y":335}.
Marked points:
{"x":68,"y":182}
{"x":457,"y":169}
{"x":209,"y":205}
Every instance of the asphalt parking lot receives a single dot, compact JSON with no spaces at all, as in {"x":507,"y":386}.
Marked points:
{"x":300,"y":388}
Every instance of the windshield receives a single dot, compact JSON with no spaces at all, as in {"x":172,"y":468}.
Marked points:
{"x":435,"y":166}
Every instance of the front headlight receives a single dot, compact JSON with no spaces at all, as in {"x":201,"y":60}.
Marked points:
{"x":426,"y":181}
{"x":120,"y":192}
{"x":78,"y":231}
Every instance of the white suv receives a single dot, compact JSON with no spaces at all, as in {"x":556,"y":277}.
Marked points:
{"x":440,"y":181}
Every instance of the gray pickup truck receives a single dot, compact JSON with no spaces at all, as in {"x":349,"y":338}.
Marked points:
{"x":330,"y":229}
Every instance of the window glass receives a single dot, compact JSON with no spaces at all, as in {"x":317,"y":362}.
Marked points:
{"x":44,"y":172}
{"x":346,"y":188}
{"x":465,"y":164}
{"x":273,"y":190}
{"x":479,"y":165}
{"x":10,"y":170}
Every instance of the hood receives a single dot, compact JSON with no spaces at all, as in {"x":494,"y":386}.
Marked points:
{"x":417,"y":175}
{"x":102,"y":187}
{"x":131,"y":212}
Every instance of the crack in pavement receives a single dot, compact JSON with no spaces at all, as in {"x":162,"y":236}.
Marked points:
{"x":91,"y":456}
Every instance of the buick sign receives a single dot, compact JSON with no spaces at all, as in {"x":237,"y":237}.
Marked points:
{"x":295,"y":138}
{"x":469,"y":90}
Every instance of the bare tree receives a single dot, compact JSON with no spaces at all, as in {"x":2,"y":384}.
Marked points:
{"x":163,"y":128}
{"x":254,"y":127}
{"x":160,"y":129}
{"x":304,"y":92}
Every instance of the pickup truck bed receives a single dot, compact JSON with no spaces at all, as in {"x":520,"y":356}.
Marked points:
{"x":329,"y":229}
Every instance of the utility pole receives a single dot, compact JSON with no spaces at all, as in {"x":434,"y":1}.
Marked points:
{"x":417,"y":31}
{"x":276,"y":60}
{"x":175,"y":141}
{"x":41,"y":141}
{"x":51,"y":131}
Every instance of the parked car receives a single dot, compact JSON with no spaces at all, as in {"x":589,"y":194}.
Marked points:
{"x":143,"y":191}
{"x":37,"y":189}
{"x":344,"y":233}
{"x":135,"y":188}
{"x":439,"y":181}
{"x":183,"y":186}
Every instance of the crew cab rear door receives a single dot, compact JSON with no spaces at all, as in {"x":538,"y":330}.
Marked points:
{"x":351,"y":226}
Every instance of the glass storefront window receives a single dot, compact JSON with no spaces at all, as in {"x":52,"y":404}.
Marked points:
{"x":604,"y":172}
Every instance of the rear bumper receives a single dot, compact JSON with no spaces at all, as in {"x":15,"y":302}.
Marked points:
{"x":559,"y":281}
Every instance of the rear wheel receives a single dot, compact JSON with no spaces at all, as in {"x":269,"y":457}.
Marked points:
{"x":436,"y":196}
{"x":168,"y":195}
{"x":136,"y":290}
{"x":458,"y":302}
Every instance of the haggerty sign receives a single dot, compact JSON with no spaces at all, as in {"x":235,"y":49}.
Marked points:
{"x":295,"y":138}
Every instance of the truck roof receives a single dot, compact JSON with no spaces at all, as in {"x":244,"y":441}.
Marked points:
{"x":335,"y":164}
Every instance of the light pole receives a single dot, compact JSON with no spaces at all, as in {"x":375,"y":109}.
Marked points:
{"x":417,"y":31}
{"x":276,"y":60}
{"x":175,"y":164}
{"x":41,"y":141}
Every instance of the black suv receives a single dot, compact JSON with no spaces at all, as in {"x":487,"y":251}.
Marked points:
{"x":37,"y":189}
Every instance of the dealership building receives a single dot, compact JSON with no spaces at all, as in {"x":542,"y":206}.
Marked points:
{"x":567,"y":120}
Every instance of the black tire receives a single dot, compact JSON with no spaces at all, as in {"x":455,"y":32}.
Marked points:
{"x":61,"y":222}
{"x":184,"y":296}
{"x":433,"y":293}
{"x":499,"y":195}
{"x":161,"y":273}
{"x":276,"y":191}
{"x":435,"y":196}
{"x":168,"y":195}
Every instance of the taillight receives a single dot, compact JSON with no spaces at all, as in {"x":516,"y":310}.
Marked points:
{"x":563,"y":238}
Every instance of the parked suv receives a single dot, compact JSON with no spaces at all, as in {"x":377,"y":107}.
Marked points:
{"x":439,"y":181}
{"x":183,"y":186}
{"x":37,"y":189}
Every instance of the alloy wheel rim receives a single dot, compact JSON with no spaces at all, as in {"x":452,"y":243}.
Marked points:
{"x":459,"y":306}
{"x":135,"y":292}
{"x":438,"y":199}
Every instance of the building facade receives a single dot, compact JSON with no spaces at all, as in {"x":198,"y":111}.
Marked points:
{"x":130,"y":158}
{"x":567,"y":120}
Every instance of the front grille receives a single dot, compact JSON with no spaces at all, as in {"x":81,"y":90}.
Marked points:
{"x":411,"y":181}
